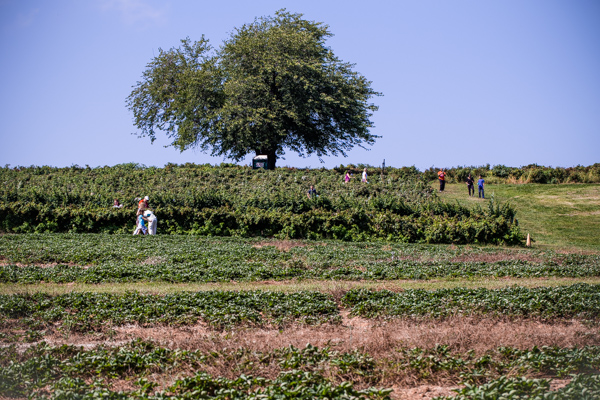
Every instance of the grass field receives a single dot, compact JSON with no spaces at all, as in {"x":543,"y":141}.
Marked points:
{"x":178,"y":317}
{"x":565,"y":217}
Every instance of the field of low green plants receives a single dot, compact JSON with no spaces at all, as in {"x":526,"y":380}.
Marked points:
{"x":87,"y":311}
{"x":398,"y":292}
{"x":104,"y":258}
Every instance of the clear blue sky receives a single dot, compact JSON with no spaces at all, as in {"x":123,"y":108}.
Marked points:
{"x":508,"y":82}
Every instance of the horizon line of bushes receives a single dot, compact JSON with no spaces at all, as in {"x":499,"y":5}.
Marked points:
{"x":498,"y":174}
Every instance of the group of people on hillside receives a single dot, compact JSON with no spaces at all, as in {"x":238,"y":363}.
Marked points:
{"x":146,"y":221}
{"x":347,"y":177}
{"x":312,"y":192}
{"x":470,"y":184}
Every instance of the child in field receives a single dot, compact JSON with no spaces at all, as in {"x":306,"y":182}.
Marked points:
{"x":141,"y":224}
{"x":480,"y":183}
{"x":364,"y":176}
{"x":347,"y":177}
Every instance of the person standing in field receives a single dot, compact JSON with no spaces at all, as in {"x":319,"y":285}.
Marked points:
{"x":141,"y":224}
{"x":364,"y":176}
{"x":470,"y":185}
{"x":152,"y":222}
{"x":442,"y":179}
{"x":480,"y":184}
{"x":347,"y":177}
{"x":311,"y":192}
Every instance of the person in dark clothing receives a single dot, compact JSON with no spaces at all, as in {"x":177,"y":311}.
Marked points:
{"x":311,"y":192}
{"x":470,"y":183}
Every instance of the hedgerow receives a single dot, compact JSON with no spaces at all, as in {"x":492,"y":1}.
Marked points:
{"x":531,"y":173}
{"x":238,"y":201}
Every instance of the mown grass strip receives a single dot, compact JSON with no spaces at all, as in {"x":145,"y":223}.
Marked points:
{"x":324,"y":286}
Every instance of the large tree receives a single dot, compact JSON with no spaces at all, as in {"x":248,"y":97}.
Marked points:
{"x":272,"y":85}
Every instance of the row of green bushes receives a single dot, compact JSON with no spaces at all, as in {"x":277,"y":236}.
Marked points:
{"x":493,"y":226}
{"x":239,"y":201}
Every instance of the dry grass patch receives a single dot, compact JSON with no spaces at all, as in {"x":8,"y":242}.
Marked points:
{"x":377,"y":337}
{"x":155,"y":260}
{"x":281,"y":245}
{"x":496,"y":257}
{"x":5,"y":263}
{"x":380,"y":339}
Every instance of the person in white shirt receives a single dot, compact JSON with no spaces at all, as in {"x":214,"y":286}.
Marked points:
{"x":152,"y":222}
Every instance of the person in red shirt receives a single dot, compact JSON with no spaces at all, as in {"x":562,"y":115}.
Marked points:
{"x":442,"y":179}
{"x":143,"y":204}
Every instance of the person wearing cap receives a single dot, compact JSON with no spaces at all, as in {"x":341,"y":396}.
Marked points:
{"x":143,"y":204}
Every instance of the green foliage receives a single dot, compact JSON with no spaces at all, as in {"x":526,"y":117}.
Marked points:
{"x":576,"y":301}
{"x":273,"y":85}
{"x":582,"y":387}
{"x":237,"y":201}
{"x":96,"y":311}
{"x":102,"y":258}
{"x":93,"y":311}
{"x":75,"y":372}
{"x":531,"y":173}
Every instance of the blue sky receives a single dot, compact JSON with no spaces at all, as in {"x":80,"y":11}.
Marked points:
{"x":465,"y":82}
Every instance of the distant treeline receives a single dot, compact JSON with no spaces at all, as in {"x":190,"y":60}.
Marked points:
{"x":531,"y":173}
{"x":231,"y":200}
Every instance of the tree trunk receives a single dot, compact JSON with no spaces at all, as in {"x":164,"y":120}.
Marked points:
{"x":271,"y":157}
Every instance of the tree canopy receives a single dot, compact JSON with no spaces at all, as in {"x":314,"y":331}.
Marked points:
{"x":272,"y":86}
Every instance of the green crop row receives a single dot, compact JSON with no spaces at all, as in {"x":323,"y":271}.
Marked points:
{"x":90,"y":258}
{"x":238,"y":201}
{"x":207,"y":271}
{"x":288,"y":385}
{"x":43,"y":369}
{"x":90,"y":311}
{"x":575,"y":301}
{"x":581,"y":387}
{"x":94,"y":249}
